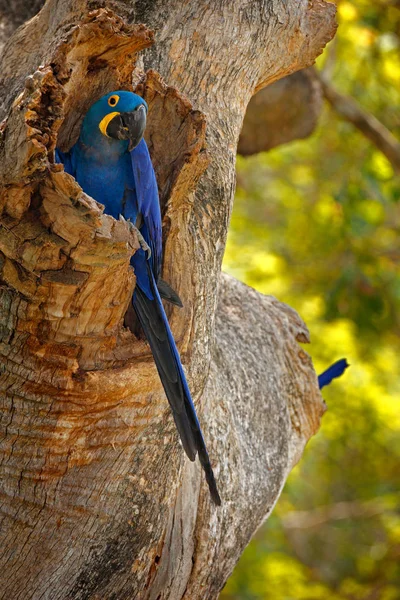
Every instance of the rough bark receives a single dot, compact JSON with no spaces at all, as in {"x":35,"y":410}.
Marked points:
{"x":14,"y":13}
{"x":98,"y":500}
{"x":284,"y":111}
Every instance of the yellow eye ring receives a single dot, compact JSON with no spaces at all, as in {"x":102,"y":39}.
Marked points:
{"x":113,"y":100}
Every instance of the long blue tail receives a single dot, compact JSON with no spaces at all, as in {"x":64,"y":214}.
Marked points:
{"x":152,"y":317}
{"x":335,"y":370}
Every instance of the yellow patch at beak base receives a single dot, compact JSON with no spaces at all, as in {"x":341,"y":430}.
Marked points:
{"x":105,"y":121}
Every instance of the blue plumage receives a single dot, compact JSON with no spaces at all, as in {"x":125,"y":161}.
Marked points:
{"x":111,"y":163}
{"x":335,"y":370}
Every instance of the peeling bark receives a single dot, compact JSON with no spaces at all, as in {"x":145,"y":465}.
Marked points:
{"x":94,"y":481}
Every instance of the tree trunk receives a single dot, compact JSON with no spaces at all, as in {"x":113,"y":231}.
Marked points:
{"x":98,"y":500}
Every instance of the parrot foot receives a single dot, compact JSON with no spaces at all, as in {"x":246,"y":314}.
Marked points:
{"x":143,"y":244}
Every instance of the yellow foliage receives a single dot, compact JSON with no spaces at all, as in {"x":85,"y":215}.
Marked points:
{"x":317,"y":224}
{"x":347,"y":12}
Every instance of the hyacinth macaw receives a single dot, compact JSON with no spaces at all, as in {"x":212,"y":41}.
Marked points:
{"x":111,"y":163}
{"x":335,"y":370}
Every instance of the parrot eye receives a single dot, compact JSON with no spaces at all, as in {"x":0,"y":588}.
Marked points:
{"x":112,"y":101}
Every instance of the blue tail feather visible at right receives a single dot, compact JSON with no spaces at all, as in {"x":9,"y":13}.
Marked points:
{"x":335,"y":370}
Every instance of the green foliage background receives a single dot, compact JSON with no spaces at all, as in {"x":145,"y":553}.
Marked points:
{"x":316,"y":223}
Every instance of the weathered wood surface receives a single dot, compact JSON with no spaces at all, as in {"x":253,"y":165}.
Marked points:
{"x":284,"y":111}
{"x":97,"y":498}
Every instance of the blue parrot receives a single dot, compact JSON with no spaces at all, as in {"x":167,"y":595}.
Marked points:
{"x":335,"y":370}
{"x":111,"y":163}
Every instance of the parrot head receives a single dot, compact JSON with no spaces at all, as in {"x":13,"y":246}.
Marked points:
{"x":119,"y":116}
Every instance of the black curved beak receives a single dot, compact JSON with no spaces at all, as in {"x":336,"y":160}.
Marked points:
{"x":128,"y":126}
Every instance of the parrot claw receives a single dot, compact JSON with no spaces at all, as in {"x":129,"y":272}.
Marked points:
{"x":143,"y":244}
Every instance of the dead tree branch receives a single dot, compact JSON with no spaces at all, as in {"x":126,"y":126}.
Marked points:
{"x":366,"y":123}
{"x":287,"y":110}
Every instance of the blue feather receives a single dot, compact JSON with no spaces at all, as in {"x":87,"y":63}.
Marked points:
{"x":335,"y":370}
{"x":148,"y":203}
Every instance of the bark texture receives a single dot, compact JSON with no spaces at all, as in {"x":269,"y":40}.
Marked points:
{"x":98,"y":500}
{"x":14,"y":13}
